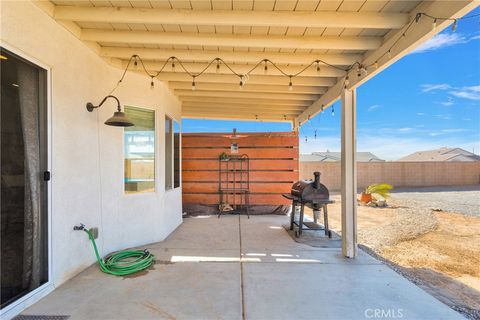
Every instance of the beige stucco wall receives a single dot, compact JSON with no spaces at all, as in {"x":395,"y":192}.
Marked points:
{"x":86,"y":155}
{"x":399,"y":174}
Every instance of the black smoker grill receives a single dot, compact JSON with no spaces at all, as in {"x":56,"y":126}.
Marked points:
{"x":314,"y":195}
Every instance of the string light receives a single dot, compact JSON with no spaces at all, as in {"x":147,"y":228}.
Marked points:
{"x":360,"y":68}
{"x":217,"y":69}
{"x":454,"y":26}
{"x":241,"y":83}
{"x":152,"y":84}
{"x":333,"y":110}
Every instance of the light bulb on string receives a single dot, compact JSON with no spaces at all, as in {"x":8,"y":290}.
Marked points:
{"x":454,"y":25}
{"x":375,"y":65}
{"x":333,"y":111}
{"x":315,"y":134}
{"x":217,"y":69}
{"x":152,"y":84}
{"x":290,"y":84}
{"x":318,"y":67}
{"x":265,"y":67}
{"x":193,"y":83}
{"x":240,"y":86}
{"x":389,"y":54}
{"x":434,"y":23}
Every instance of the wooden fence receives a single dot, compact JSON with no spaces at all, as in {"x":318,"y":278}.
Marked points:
{"x":273,"y":165}
{"x":399,"y":174}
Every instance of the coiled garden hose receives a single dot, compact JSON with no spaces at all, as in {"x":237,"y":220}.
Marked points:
{"x":121,"y":263}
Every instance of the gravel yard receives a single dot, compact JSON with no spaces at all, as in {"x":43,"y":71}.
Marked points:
{"x":465,"y":200}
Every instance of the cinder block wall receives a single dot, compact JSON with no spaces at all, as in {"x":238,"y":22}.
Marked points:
{"x":399,"y":174}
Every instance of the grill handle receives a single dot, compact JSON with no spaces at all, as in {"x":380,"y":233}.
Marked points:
{"x":316,"y":182}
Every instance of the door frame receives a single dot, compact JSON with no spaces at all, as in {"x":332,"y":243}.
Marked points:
{"x":30,"y":298}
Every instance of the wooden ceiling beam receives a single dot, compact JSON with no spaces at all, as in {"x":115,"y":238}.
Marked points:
{"x":252,"y":95}
{"x":233,"y":40}
{"x":245,"y":101}
{"x":254,"y":79}
{"x":247,"y":88}
{"x":325,"y":71}
{"x":254,"y":106}
{"x":314,"y":19}
{"x":229,"y":56}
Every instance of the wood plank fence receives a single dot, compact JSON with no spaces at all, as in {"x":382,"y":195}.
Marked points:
{"x":273,"y":165}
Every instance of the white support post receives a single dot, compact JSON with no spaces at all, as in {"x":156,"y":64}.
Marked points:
{"x":349,"y":174}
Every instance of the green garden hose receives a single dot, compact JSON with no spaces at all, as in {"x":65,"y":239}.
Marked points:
{"x":121,"y":263}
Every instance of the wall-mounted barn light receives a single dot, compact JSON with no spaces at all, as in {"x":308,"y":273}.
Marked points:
{"x":119,"y":119}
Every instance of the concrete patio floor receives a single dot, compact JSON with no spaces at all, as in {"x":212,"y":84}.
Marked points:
{"x":198,"y":275}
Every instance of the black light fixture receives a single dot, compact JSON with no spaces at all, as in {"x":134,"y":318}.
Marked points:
{"x":119,"y":119}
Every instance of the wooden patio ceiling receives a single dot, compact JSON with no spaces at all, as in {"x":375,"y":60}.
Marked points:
{"x":291,"y":33}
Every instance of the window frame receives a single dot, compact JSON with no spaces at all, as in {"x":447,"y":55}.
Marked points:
{"x":155,"y":152}
{"x":172,"y":155}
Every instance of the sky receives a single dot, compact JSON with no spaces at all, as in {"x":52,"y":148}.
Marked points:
{"x":427,"y":100}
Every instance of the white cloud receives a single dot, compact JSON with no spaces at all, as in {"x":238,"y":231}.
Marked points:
{"x":441,"y":40}
{"x":471,"y":93}
{"x":420,"y":114}
{"x":443,"y":116}
{"x":373,"y":107}
{"x":466,"y":92}
{"x":435,"y":87}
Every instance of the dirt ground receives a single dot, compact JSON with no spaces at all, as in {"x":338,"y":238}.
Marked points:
{"x":440,"y":251}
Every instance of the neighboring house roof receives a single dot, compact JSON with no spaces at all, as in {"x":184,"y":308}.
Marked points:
{"x":336,"y":156}
{"x":442,"y":154}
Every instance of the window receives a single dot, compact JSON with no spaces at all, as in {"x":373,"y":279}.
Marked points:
{"x":168,"y":153}
{"x":176,"y":154}
{"x":172,"y":153}
{"x":140,"y":151}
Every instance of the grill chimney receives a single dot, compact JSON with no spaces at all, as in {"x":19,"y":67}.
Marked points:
{"x":316,"y":182}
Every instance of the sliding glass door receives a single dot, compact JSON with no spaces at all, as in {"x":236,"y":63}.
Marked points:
{"x":23,"y":164}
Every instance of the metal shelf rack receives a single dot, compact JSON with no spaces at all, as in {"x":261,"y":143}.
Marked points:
{"x":234,"y":184}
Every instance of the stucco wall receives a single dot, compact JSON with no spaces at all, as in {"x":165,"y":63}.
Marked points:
{"x":399,"y":174}
{"x":86,"y":155}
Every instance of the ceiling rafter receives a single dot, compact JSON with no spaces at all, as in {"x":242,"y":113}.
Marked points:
{"x":316,"y":19}
{"x":232,"y":40}
{"x":229,"y":56}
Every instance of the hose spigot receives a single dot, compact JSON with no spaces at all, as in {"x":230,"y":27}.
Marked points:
{"x":81,"y":227}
